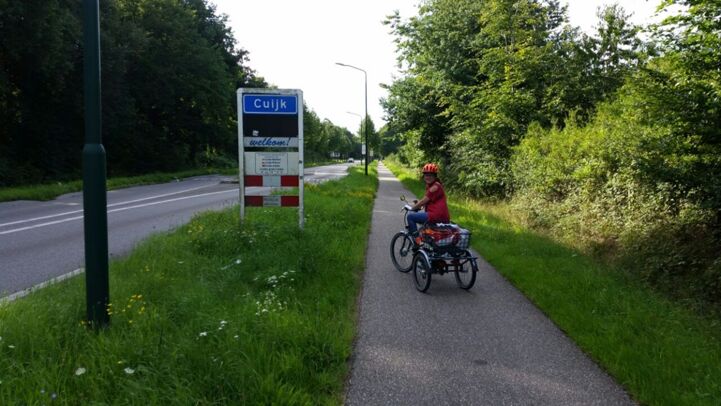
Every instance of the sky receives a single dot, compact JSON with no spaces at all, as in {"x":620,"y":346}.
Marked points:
{"x":295,"y":44}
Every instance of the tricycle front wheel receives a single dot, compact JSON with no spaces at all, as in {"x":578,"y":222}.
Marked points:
{"x":402,"y":252}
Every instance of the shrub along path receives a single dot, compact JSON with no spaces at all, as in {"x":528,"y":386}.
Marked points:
{"x":489,"y":345}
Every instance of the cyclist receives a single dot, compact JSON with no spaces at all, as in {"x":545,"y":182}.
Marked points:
{"x":434,"y":201}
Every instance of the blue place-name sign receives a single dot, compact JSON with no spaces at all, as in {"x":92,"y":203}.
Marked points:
{"x":269,"y":104}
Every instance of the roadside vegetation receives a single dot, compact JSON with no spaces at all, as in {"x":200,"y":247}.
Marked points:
{"x":660,"y":351}
{"x":213,"y":313}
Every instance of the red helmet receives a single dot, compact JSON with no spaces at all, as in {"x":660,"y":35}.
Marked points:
{"x":430,"y":168}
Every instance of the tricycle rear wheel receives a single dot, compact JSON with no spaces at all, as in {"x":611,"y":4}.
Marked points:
{"x":465,"y":271}
{"x":421,"y":272}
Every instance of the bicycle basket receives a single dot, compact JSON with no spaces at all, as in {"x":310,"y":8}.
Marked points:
{"x":464,"y":239}
{"x":438,"y":237}
{"x":445,"y":237}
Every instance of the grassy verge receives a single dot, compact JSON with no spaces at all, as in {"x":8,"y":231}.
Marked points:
{"x":214,"y":313}
{"x":49,"y":191}
{"x":661,"y":352}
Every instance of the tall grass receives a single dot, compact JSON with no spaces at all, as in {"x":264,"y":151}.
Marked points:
{"x":662,"y":353}
{"x":214,"y":313}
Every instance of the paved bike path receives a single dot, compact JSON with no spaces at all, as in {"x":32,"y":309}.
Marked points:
{"x":486,"y":346}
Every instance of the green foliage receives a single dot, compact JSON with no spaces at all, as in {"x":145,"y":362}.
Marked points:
{"x":390,"y":141}
{"x":479,"y":72}
{"x":214,"y":313}
{"x":367,"y":128}
{"x":684,"y":88}
{"x":323,"y":137}
{"x":621,"y":186}
{"x":653,"y":192}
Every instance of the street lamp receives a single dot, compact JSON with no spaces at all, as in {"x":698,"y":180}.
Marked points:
{"x":365,"y":76}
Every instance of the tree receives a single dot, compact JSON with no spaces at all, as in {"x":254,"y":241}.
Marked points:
{"x":479,"y":72}
{"x":369,"y":136}
{"x":590,"y":69}
{"x":477,"y":76}
{"x":338,"y":139}
{"x":682,"y":91}
{"x":390,"y":141}
{"x":40,"y":61}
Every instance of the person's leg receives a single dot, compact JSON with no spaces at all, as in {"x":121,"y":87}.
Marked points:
{"x":416,"y":217}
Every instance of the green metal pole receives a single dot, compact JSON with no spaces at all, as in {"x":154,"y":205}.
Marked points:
{"x":94,"y":193}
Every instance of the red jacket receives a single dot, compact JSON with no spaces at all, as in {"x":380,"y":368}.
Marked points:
{"x":436,"y":207}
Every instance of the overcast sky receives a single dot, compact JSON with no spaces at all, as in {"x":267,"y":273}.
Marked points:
{"x":294,"y":44}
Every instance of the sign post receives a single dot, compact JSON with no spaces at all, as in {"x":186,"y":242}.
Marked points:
{"x":270,"y":146}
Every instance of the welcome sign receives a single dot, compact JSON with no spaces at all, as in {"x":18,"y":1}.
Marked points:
{"x":269,"y":120}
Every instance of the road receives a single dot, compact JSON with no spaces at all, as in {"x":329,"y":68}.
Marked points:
{"x":44,"y":240}
{"x":485,"y":346}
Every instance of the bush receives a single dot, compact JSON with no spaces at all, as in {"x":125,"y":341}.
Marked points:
{"x":616,"y":188}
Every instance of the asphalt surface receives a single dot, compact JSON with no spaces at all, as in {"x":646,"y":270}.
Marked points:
{"x":40,"y":241}
{"x":486,"y":346}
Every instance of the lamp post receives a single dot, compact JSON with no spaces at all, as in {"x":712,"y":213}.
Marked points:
{"x":365,"y":76}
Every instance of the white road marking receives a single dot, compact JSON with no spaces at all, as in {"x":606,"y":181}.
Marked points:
{"x":110,"y":205}
{"x":116,"y":210}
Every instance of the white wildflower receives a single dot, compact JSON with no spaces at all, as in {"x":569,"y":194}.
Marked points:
{"x":129,"y":371}
{"x":79,"y":371}
{"x":236,"y":262}
{"x":12,"y":347}
{"x":203,"y":334}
